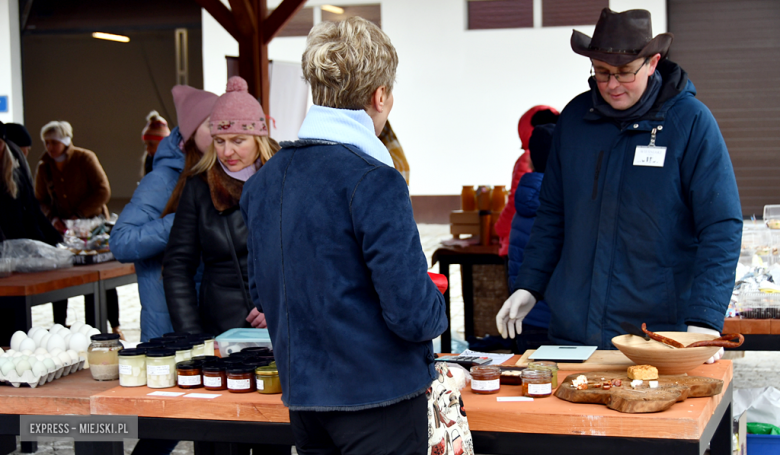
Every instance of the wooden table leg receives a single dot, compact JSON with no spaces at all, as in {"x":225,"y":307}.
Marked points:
{"x":99,"y":448}
{"x":28,"y":447}
{"x":7,"y":443}
{"x":468,"y":299}
{"x":446,"y":337}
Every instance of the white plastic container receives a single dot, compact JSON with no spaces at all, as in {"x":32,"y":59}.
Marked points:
{"x":234,"y":340}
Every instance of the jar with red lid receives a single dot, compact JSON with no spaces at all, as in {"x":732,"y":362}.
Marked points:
{"x":241,"y":379}
{"x":485,"y":379}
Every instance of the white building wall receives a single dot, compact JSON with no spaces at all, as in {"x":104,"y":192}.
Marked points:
{"x":459,"y":93}
{"x":11,"y":62}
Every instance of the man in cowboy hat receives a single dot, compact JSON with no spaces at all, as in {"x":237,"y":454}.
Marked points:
{"x":639,"y":217}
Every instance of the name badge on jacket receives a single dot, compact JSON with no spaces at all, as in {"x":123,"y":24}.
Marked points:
{"x":647,"y":155}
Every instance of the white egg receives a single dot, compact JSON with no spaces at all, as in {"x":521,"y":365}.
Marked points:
{"x":10,"y":352}
{"x":76,"y":326}
{"x":18,"y":354}
{"x":92,"y":332}
{"x":40,"y":351}
{"x":32,"y":331}
{"x":16,"y":360}
{"x":39,"y":369}
{"x":65,"y":358}
{"x":50,"y":364}
{"x":27,"y":352}
{"x":16,"y":339}
{"x":7,"y":367}
{"x":1,"y":351}
{"x":40,"y":357}
{"x":48,"y":355}
{"x":27,"y":344}
{"x":55,"y":328}
{"x":38,"y":336}
{"x":55,"y":351}
{"x":79,"y":342}
{"x":44,"y":341}
{"x":56,"y":341}
{"x":22,"y":366}
{"x":57,"y":362}
{"x":3,"y":361}
{"x":85,"y":328}
{"x":67,"y":339}
{"x":74,"y":356}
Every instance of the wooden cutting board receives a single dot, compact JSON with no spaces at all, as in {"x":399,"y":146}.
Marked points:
{"x":599,"y":361}
{"x":671,"y":389}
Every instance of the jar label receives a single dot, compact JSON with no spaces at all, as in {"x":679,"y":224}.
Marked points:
{"x":212,"y":381}
{"x":158,"y":370}
{"x":260,"y":384}
{"x":238,"y":384}
{"x":125,"y":369}
{"x":189,"y":380}
{"x":493,"y":384}
{"x":540,"y":389}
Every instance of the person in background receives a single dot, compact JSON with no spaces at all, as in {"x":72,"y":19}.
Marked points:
{"x":19,"y":135}
{"x":537,"y":115}
{"x":141,"y":232}
{"x":70,"y":184}
{"x":534,"y":329}
{"x":156,"y":130}
{"x":208,"y":226}
{"x":336,"y":262}
{"x":639,"y":216}
{"x":21,"y":214}
{"x":390,"y":140}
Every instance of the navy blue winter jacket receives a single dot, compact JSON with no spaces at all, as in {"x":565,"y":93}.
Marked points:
{"x":614,"y":241}
{"x":336,"y":264}
{"x":526,"y":204}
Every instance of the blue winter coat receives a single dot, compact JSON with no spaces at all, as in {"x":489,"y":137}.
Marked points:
{"x":140,"y":235}
{"x":336,"y":263}
{"x":526,"y":204}
{"x":617,"y":242}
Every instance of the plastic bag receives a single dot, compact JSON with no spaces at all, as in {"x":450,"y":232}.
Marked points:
{"x":34,"y":256}
{"x":761,"y":404}
{"x":762,"y":428}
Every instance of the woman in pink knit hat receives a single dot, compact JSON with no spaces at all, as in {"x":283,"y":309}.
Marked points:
{"x":208,"y":225}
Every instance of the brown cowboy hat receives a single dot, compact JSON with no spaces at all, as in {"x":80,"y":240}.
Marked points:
{"x":620,"y":38}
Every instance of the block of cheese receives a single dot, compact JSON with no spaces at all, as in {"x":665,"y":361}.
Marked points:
{"x":643,"y":372}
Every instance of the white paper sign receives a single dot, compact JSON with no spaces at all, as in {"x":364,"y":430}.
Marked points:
{"x":514,"y":399}
{"x":166,"y":394}
{"x":207,"y":396}
{"x":649,"y":156}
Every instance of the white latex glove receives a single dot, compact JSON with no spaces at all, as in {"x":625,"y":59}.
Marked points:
{"x":509,"y":319}
{"x":697,"y":329}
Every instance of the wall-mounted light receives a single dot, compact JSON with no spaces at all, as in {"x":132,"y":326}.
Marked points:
{"x":332,"y":9}
{"x":111,"y":37}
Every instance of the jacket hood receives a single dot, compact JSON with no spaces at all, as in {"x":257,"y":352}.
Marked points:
{"x":675,"y":82}
{"x":524,"y":127}
{"x":527,"y":194}
{"x":168,"y":153}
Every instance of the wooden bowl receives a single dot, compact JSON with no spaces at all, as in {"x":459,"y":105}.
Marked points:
{"x":668,"y":361}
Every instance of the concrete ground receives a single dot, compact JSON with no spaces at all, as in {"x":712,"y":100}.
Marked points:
{"x":753,"y":369}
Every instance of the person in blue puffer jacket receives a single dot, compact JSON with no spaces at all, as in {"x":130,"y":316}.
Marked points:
{"x":141,"y":232}
{"x":534,"y":329}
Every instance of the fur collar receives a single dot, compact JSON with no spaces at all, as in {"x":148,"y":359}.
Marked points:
{"x":225,"y":190}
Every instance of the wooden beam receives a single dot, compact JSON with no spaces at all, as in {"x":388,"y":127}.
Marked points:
{"x":279,"y":18}
{"x":244,"y":16}
{"x":222,"y":15}
{"x":262,"y":60}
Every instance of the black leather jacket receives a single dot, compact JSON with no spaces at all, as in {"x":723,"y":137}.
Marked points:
{"x":217,"y":237}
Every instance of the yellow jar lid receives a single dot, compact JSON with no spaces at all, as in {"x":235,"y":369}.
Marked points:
{"x":267,"y":371}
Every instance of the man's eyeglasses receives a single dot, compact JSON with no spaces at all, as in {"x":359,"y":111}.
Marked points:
{"x":603,"y":76}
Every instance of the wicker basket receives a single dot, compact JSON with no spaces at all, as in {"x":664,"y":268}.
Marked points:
{"x":491,"y":290}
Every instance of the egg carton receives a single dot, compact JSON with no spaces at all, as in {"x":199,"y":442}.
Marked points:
{"x":29,"y":378}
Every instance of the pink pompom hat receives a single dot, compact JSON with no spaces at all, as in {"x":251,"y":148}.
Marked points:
{"x":237,"y":112}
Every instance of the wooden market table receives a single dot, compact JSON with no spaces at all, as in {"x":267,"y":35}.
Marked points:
{"x":547,"y":425}
{"x":466,"y":256}
{"x":760,"y":334}
{"x":21,"y":291}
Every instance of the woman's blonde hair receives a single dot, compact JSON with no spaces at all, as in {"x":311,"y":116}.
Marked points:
{"x":266,"y":147}
{"x":8,"y":164}
{"x":345,"y":62}
{"x":61,"y":128}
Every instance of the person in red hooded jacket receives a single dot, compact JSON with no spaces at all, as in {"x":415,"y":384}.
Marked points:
{"x":537,"y":115}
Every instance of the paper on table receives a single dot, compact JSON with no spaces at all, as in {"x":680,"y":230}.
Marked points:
{"x":166,"y":394}
{"x":203,"y":395}
{"x":514,"y":399}
{"x":497,"y":359}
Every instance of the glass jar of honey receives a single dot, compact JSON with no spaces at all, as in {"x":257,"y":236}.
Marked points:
{"x":544,"y":365}
{"x":214,"y":376}
{"x":189,"y":374}
{"x":537,"y":383}
{"x":268,"y":380}
{"x":485,"y":379}
{"x":241,"y":379}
